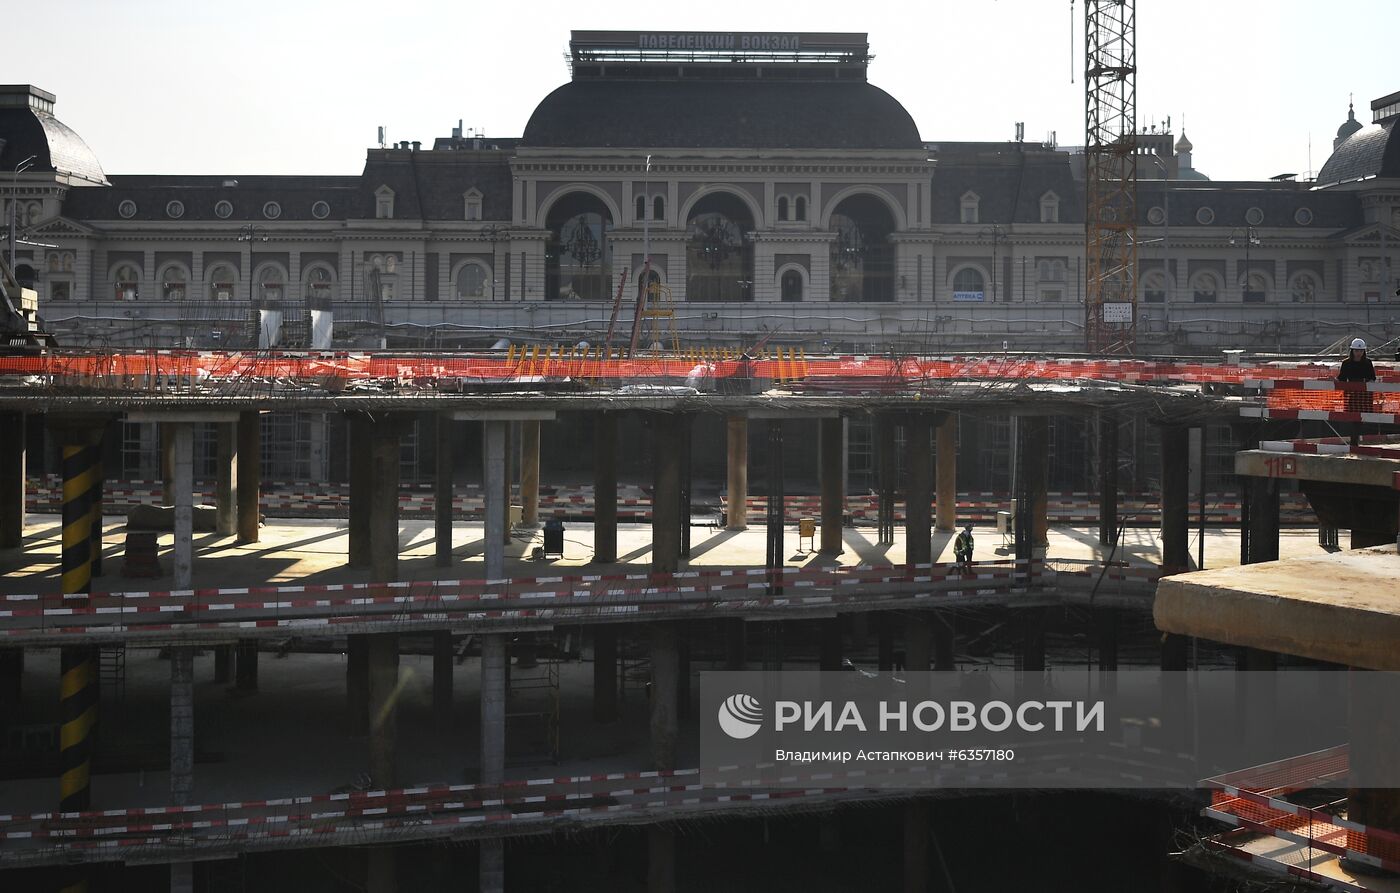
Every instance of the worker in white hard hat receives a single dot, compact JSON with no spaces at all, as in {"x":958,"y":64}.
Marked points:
{"x":1357,"y":368}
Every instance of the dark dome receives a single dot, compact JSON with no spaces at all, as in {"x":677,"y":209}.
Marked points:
{"x":29,"y":128}
{"x":682,"y":114}
{"x":1372,"y":151}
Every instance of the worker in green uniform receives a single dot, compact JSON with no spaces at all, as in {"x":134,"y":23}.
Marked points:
{"x":962,"y":547}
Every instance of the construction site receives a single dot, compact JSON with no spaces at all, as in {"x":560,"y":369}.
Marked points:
{"x":376,"y":615}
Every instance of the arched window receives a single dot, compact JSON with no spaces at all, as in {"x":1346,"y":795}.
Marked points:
{"x":1205,"y":288}
{"x":319,"y":284}
{"x":173,"y":283}
{"x":1154,"y":287}
{"x":641,"y":204}
{"x":799,"y":206}
{"x":473,"y":282}
{"x":862,"y":256}
{"x":719,"y":252}
{"x":1254,"y":288}
{"x":658,"y":208}
{"x":969,"y":285}
{"x":223,"y":282}
{"x":577,"y":254}
{"x":381,"y":277}
{"x":782,"y":207}
{"x":791,"y":286}
{"x":272,"y":284}
{"x":126,"y":283}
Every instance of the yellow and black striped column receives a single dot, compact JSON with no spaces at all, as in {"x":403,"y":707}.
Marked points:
{"x":78,"y":686}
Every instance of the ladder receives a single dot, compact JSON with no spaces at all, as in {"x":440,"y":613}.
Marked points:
{"x":111,"y":679}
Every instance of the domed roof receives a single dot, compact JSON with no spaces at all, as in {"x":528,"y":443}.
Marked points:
{"x":1350,"y":125}
{"x":1183,"y":144}
{"x":28,"y":127}
{"x":721,"y":114}
{"x":1372,"y":151}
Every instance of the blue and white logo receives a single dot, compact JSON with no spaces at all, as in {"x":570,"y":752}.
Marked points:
{"x":740,"y":716}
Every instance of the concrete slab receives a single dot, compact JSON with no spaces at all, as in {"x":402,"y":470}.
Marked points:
{"x":1371,"y":471}
{"x":1342,"y":607}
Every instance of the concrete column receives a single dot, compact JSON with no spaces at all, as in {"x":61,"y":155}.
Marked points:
{"x":1108,"y":478}
{"x":604,"y":673}
{"x":1263,"y":520}
{"x":884,"y":644}
{"x":944,"y":641}
{"x":530,"y":472}
{"x":661,"y":860}
{"x":383,"y":709}
{"x":918,"y":524}
{"x":494,"y":490}
{"x":12,"y":470}
{"x":1175,"y":652}
{"x":665,"y":716}
{"x":946,"y":457}
{"x":738,"y":437}
{"x":1032,"y":622}
{"x":830,"y":638}
{"x":666,"y":492}
{"x":1377,"y":725}
{"x":357,"y":682}
{"x":915,"y":847}
{"x":1035,"y":442}
{"x":833,"y":491}
{"x":442,"y":493}
{"x":384,"y":501}
{"x":245,"y":672}
{"x":249,"y":475}
{"x":507,"y":479}
{"x":917,"y":642}
{"x":181,"y":724}
{"x":605,"y":488}
{"x":442,"y":675}
{"x":492,"y":867}
{"x":361,"y":486}
{"x":379,"y":870}
{"x":1176,"y":499}
{"x":182,"y":439}
{"x":1106,"y":637}
{"x":223,"y":663}
{"x":167,"y":463}
{"x":226,"y":481}
{"x":735,"y":644}
{"x":885,"y":473}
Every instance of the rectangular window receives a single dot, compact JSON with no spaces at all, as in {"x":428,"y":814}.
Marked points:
{"x":1203,"y":297}
{"x":1052,"y":295}
{"x":969,"y":214}
{"x":1049,"y":213}
{"x":1154,"y":296}
{"x":1253,"y":297}
{"x":60,"y":291}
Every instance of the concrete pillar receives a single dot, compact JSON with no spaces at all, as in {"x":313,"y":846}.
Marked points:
{"x":1377,"y":724}
{"x":832,"y":436}
{"x":665,"y":506}
{"x":605,"y":488}
{"x":1108,"y":478}
{"x":661,"y":860}
{"x":944,"y":641}
{"x":915,"y":847}
{"x":738,"y":465}
{"x":918,"y":524}
{"x":946,"y":456}
{"x":1034,"y":452}
{"x":665,"y":716}
{"x":530,"y":472}
{"x":491,"y":870}
{"x":1263,"y":520}
{"x":361,"y":487}
{"x":917,"y":642}
{"x":1175,"y":652}
{"x":223,"y":663}
{"x":604,"y":673}
{"x":508,"y":478}
{"x":11,"y":688}
{"x":1176,"y":499}
{"x":885,"y":474}
{"x":383,"y":708}
{"x":181,"y":724}
{"x":379,"y":870}
{"x":182,"y":440}
{"x":493,"y":487}
{"x":167,"y":463}
{"x":830,"y":638}
{"x":442,"y":676}
{"x":1032,"y":621}
{"x":12,"y":471}
{"x":442,"y":493}
{"x":775,"y":517}
{"x":384,"y":501}
{"x":884,"y":643}
{"x":357,"y":682}
{"x":245,"y":672}
{"x":249,"y":475}
{"x":226,"y":481}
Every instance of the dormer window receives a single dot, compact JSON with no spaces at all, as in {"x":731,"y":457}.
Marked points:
{"x":472,"y":198}
{"x":384,"y":203}
{"x":969,"y":203}
{"x":1049,"y":208}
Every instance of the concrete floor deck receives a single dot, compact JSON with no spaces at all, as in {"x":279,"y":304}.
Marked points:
{"x":314,"y":551}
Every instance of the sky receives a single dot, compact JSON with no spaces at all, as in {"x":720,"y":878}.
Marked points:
{"x":300,"y":87}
